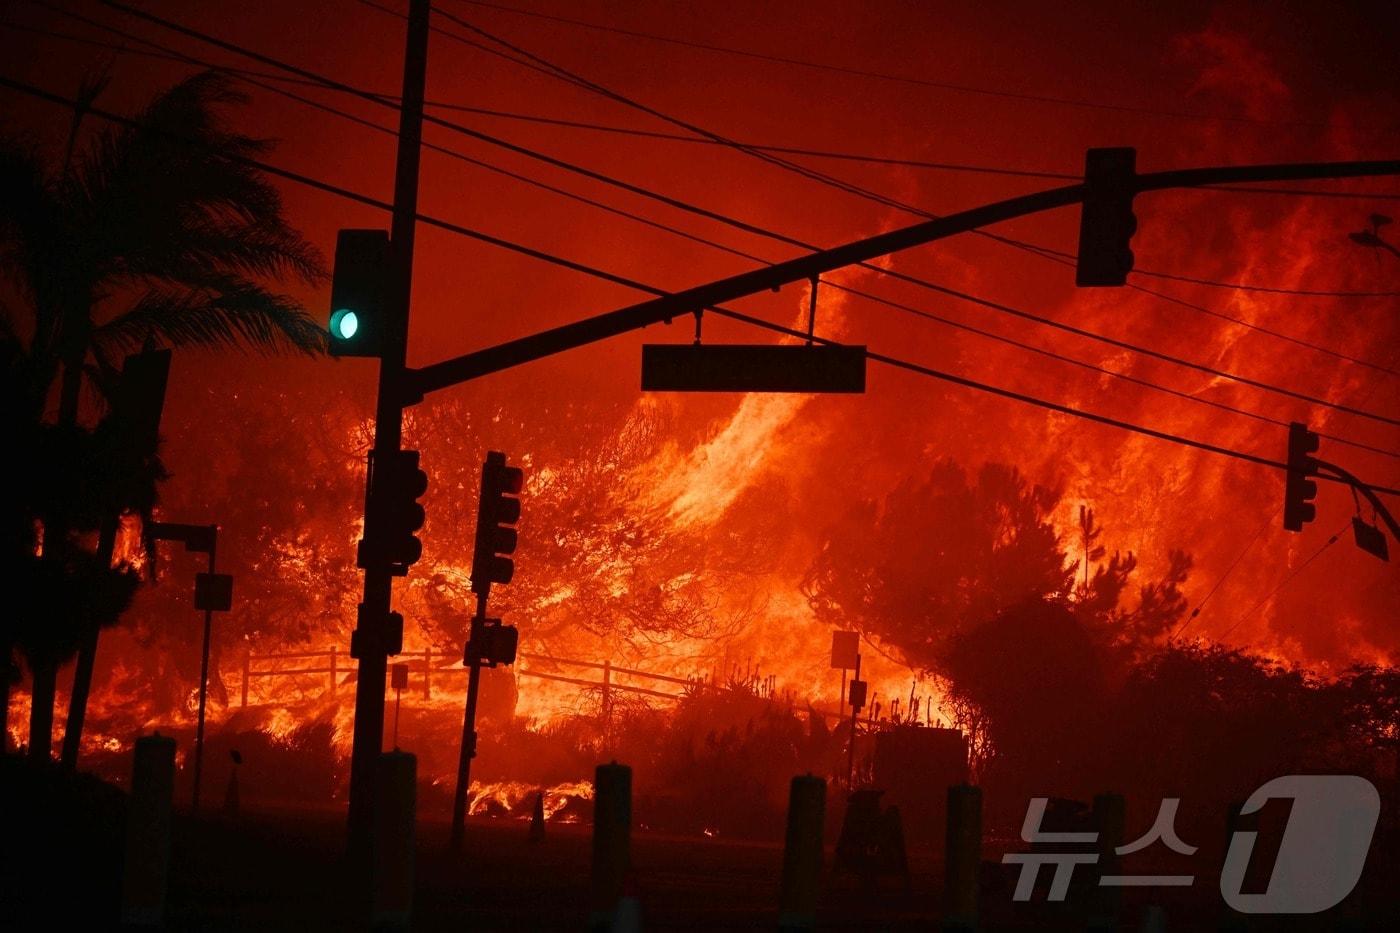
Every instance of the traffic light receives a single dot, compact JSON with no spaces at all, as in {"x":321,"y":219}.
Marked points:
{"x":373,"y":636}
{"x":491,"y":643}
{"x":499,"y":509}
{"x":360,"y":317}
{"x":395,"y":513}
{"x":1107,"y":222}
{"x":1299,"y":491}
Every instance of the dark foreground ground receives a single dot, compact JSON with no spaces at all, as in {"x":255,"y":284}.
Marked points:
{"x":284,"y":871}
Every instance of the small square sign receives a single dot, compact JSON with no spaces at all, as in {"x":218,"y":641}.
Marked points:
{"x":844,"y":647}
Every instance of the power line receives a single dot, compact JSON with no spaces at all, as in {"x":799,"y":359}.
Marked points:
{"x":1098,"y":369}
{"x":327,"y":187}
{"x":1195,"y":613}
{"x":1389,"y":370}
{"x":558,"y":121}
{"x":1284,"y":582}
{"x":713,"y":244}
{"x":1035,"y":400}
{"x":566,"y":75}
{"x":1298,"y":192}
{"x":839,"y":184}
{"x":249,"y":78}
{"x":545,"y":120}
{"x":321,"y":185}
{"x":904,"y":79}
{"x":713,"y":215}
{"x":253,"y":74}
{"x":1251,"y":287}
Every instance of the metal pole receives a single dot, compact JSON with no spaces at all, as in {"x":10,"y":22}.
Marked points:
{"x":851,"y":753}
{"x":468,"y":752}
{"x":203,"y":692}
{"x":368,"y":738}
{"x":398,"y":700}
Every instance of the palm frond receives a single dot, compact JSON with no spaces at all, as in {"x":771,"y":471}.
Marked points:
{"x":233,"y":314}
{"x":175,"y":194}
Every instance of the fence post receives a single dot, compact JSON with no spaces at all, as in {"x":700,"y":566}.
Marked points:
{"x":428,"y":672}
{"x":146,"y":866}
{"x":802,"y":854}
{"x":612,"y":840}
{"x":333,"y":671}
{"x":963,"y":858}
{"x":1109,"y":823}
{"x":607,"y":697}
{"x":393,"y":841}
{"x":247,"y":663}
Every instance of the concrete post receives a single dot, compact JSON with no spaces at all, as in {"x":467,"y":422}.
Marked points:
{"x":612,"y":840}
{"x":392,"y":841}
{"x":802,"y":854}
{"x":1106,"y":901}
{"x":962,"y":858}
{"x":148,"y":819}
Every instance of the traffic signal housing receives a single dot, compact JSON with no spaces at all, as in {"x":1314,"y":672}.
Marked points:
{"x":376,"y":634}
{"x":491,"y":643}
{"x":396,"y":515}
{"x":497,"y":513}
{"x":361,"y":321}
{"x":1299,"y":489}
{"x":1107,"y":222}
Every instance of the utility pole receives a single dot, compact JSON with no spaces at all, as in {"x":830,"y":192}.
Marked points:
{"x":488,"y":642}
{"x":211,"y":591}
{"x":467,"y":750}
{"x":370,"y":643}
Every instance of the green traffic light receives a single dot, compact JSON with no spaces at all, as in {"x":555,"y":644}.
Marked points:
{"x":344,"y":324}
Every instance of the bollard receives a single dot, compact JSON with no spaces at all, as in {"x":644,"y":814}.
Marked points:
{"x":392,"y":843}
{"x":537,"y":819}
{"x":1106,"y":900}
{"x":231,"y":800}
{"x":148,"y":819}
{"x":802,"y":854}
{"x":962,"y":857}
{"x":612,"y":840}
{"x":1154,"y":919}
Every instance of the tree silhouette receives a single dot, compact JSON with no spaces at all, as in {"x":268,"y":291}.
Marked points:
{"x":938,"y":556}
{"x":138,"y":236}
{"x":968,"y":579}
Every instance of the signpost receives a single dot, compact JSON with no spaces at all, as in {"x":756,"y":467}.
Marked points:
{"x":213,"y":592}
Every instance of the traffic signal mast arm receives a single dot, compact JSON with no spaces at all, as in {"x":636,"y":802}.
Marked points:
{"x":447,"y":373}
{"x":1355,"y":482}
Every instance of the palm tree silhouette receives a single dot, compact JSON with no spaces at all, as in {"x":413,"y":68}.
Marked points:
{"x":160,"y":234}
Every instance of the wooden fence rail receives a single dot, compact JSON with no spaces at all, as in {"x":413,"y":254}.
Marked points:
{"x":427,"y":662}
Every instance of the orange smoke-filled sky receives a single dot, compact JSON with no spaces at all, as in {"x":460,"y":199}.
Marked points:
{"x":1275,"y":83}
